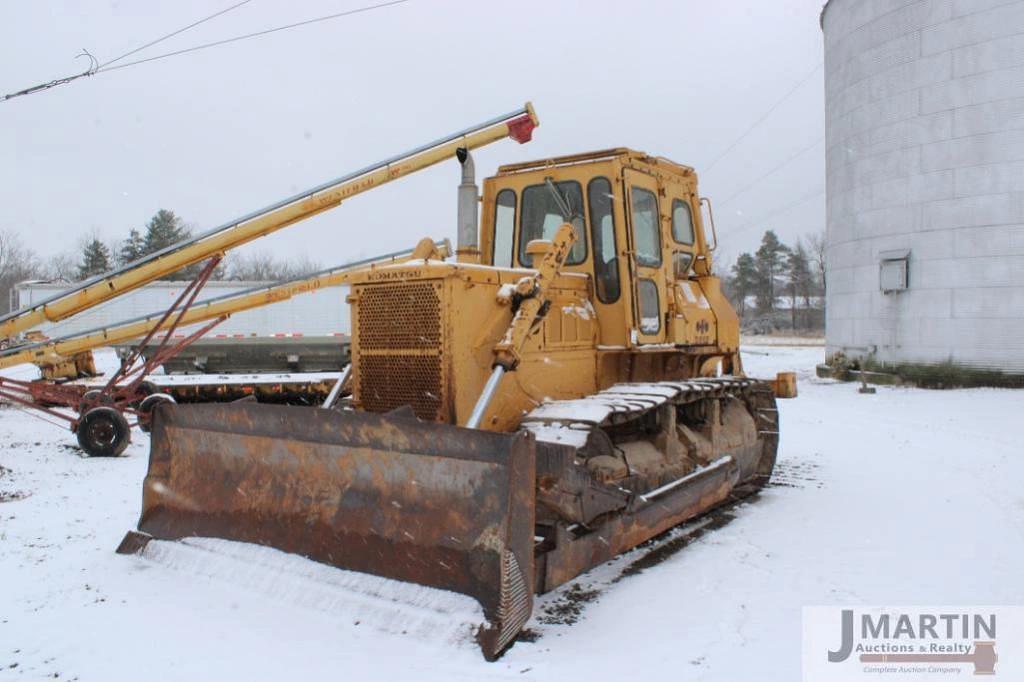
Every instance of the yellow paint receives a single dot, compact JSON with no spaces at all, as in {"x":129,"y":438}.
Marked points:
{"x":581,"y":344}
{"x":260,"y":226}
{"x":57,"y":360}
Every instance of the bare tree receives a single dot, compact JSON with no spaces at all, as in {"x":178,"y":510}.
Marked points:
{"x":61,"y":268}
{"x":17,"y":263}
{"x":263,"y":267}
{"x":816,"y":246}
{"x":302,"y":266}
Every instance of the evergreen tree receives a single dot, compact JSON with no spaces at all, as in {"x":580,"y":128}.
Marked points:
{"x":163,"y":230}
{"x":770,"y":260}
{"x":95,"y":259}
{"x":743,"y":280}
{"x":132,"y":248}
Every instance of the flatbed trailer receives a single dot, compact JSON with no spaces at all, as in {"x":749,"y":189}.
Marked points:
{"x":240,"y":354}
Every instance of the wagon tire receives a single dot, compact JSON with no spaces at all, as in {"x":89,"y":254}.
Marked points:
{"x":92,"y":398}
{"x":103,"y":432}
{"x":147,"y":406}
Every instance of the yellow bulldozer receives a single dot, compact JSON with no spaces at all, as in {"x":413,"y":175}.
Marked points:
{"x":566,"y":388}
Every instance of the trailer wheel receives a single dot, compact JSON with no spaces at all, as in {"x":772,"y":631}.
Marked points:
{"x":92,"y":398}
{"x":148,"y":388}
{"x":103,"y":432}
{"x":143,"y":391}
{"x":147,"y":406}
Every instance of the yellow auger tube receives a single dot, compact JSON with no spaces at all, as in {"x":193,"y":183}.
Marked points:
{"x":204,"y":311}
{"x":517,"y":125}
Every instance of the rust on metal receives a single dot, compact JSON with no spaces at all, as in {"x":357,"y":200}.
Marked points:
{"x":426,"y":503}
{"x":573,"y":554}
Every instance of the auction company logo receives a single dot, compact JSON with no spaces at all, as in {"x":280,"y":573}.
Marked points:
{"x":912,"y":643}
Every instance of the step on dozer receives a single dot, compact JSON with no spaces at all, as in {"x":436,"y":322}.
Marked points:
{"x":568,"y":389}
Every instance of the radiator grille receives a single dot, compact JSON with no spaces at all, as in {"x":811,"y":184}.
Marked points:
{"x":393,"y":316}
{"x":399,"y":355}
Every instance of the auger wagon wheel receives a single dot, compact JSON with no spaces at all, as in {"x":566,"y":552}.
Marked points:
{"x":92,"y":398}
{"x":147,"y":406}
{"x":103,"y":432}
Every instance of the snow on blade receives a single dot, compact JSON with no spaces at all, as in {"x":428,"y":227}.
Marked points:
{"x":386,"y":605}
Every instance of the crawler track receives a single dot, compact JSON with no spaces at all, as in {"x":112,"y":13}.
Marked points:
{"x":570,"y":421}
{"x":694,"y":458}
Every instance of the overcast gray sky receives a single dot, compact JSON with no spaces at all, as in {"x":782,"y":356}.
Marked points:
{"x":217,"y":133}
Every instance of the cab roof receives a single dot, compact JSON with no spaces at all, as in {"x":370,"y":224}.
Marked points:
{"x":620,"y":153}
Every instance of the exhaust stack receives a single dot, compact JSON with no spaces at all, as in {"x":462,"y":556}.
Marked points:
{"x":468,"y":243}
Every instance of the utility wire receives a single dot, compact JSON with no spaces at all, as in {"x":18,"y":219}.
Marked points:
{"x":763,"y":118}
{"x":814,"y":194}
{"x":773,"y":171}
{"x":96,"y":68}
{"x":358,"y":10}
{"x":171,"y":35}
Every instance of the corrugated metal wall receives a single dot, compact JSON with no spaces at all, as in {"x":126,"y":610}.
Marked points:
{"x":320,"y":313}
{"x":925,"y":153}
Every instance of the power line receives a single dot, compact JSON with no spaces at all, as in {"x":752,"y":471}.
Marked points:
{"x":773,"y":171}
{"x":171,"y":35}
{"x":814,"y":194}
{"x":96,"y":68}
{"x":762,"y":119}
{"x":264,"y":32}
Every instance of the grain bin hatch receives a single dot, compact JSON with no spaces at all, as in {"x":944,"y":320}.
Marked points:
{"x":893,"y":271}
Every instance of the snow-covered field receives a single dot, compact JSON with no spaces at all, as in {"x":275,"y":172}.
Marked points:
{"x":903,"y":497}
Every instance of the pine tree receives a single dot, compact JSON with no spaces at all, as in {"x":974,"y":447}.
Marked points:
{"x":166,"y":229}
{"x":95,"y":259}
{"x":771,"y":264}
{"x":163,"y":230}
{"x":743,"y":280}
{"x":132,"y":248}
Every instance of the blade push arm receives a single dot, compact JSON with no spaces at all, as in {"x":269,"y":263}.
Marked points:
{"x":517,"y":125}
{"x":531,"y":294}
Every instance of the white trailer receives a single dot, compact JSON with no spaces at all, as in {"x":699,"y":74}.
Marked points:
{"x":308,"y":332}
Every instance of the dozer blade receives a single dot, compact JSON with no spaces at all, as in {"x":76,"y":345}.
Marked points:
{"x":438,"y":505}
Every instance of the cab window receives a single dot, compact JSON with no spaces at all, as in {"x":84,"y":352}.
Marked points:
{"x":602,"y":229}
{"x":542,"y":216}
{"x":681,"y":262}
{"x":650,"y":307}
{"x":682,"y":222}
{"x":646,"y":238}
{"x":504,"y":228}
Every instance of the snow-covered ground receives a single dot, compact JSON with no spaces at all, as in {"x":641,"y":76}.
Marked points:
{"x":903,"y":497}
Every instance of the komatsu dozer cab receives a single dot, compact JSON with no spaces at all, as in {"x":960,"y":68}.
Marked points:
{"x":567,"y":388}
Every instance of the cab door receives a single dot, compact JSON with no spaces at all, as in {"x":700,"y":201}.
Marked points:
{"x":647,"y":256}
{"x":691,"y":321}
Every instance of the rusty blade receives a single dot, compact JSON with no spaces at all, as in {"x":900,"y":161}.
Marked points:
{"x":432,"y":504}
